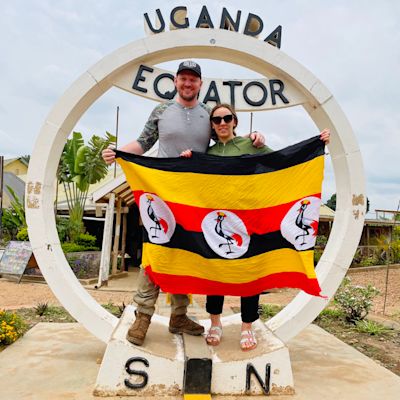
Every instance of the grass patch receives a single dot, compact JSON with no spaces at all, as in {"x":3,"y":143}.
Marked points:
{"x":267,"y":311}
{"x":49,"y":314}
{"x":114,"y":309}
{"x":372,"y":328}
{"x":330,"y":313}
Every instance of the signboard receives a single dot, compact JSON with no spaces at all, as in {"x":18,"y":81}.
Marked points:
{"x":15,"y":259}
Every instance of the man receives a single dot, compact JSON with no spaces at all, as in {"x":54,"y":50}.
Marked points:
{"x":178,"y":125}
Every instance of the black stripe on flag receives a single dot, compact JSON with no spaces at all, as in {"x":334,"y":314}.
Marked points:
{"x":238,"y":165}
{"x":196,"y":243}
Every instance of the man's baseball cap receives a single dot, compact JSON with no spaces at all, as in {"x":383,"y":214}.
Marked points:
{"x":189,"y":66}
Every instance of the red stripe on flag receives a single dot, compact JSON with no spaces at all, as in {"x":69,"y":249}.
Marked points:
{"x":179,"y":284}
{"x":259,"y":221}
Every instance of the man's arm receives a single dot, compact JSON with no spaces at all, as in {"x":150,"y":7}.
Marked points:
{"x":144,"y":142}
{"x":131,"y":147}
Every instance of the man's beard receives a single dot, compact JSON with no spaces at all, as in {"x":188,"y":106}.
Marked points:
{"x":188,"y":98}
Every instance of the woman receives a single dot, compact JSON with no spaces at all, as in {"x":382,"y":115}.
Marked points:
{"x":223,"y":121}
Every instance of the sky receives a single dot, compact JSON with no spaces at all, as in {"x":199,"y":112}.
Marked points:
{"x":353,"y":47}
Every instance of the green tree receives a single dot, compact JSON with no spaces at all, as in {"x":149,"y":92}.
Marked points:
{"x":331,"y":203}
{"x":81,"y":166}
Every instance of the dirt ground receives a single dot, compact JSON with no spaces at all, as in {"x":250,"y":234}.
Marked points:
{"x":384,"y":349}
{"x":25,"y":294}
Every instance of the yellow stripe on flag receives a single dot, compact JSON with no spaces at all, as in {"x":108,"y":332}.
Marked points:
{"x":221,"y":191}
{"x":172,"y":261}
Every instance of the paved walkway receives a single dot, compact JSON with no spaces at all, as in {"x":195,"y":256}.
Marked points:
{"x":61,"y":362}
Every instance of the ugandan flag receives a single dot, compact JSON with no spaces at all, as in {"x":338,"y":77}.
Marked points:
{"x":230,"y":225}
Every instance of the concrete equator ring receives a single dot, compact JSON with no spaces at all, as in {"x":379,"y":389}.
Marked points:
{"x":195,"y":43}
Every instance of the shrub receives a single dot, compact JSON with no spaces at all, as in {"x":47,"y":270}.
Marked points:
{"x":22,"y":234}
{"x":13,"y":218}
{"x":74,"y":247}
{"x":71,"y":247}
{"x":395,"y":253}
{"x":11,"y":327}
{"x":369,"y":261}
{"x":85,"y":239}
{"x":62,"y":225}
{"x":321,"y":240}
{"x":355,"y":301}
{"x":317,"y":255}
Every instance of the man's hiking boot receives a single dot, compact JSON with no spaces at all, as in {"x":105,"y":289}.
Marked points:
{"x":183,"y":324}
{"x":137,"y":331}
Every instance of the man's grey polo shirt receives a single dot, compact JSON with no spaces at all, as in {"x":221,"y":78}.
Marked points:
{"x":177,"y":128}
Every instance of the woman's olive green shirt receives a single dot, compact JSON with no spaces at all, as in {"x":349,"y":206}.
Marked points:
{"x":236,"y":147}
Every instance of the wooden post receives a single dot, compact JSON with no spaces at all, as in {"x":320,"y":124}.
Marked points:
{"x":106,"y":245}
{"x":116,"y":237}
{"x":123,"y":244}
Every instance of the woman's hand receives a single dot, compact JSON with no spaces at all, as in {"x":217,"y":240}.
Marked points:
{"x":186,"y":153}
{"x":325,"y":135}
{"x":257,"y":138}
{"x":108,"y":154}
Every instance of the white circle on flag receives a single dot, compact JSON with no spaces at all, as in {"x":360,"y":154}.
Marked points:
{"x":225,"y":233}
{"x":157,"y":218}
{"x":300,"y":224}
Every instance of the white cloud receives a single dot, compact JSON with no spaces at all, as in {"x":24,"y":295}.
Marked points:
{"x":352,"y":47}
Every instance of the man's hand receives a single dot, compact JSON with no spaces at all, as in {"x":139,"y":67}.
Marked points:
{"x":108,"y":154}
{"x":257,"y":138}
{"x":325,"y":135}
{"x":186,"y":153}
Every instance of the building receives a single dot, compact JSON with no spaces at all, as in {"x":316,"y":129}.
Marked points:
{"x":14,"y":176}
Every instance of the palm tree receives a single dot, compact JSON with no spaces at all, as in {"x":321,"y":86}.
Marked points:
{"x":81,"y":166}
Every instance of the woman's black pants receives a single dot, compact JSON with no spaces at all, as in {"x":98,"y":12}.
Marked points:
{"x":248,"y":306}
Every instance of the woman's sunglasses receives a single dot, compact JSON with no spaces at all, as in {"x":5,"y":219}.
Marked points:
{"x":227,"y":118}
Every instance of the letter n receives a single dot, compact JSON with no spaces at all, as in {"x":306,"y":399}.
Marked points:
{"x":264,"y":385}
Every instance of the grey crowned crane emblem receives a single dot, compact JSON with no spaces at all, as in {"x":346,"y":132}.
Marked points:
{"x":159,"y":223}
{"x":305,"y":224}
{"x":230,"y":240}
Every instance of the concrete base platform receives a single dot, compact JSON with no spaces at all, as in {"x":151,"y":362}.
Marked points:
{"x":61,"y":361}
{"x":162,"y":351}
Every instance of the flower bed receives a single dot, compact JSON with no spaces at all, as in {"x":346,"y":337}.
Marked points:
{"x":84,"y":264}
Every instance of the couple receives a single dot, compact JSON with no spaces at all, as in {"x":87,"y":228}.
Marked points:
{"x":179,"y":125}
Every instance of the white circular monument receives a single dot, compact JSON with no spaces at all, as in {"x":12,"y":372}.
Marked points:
{"x":213,"y":44}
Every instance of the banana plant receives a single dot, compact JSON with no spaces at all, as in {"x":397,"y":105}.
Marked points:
{"x":13,"y":218}
{"x":81,"y":166}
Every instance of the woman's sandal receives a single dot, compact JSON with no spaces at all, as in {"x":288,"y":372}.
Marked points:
{"x":248,"y":340}
{"x":214,"y":336}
